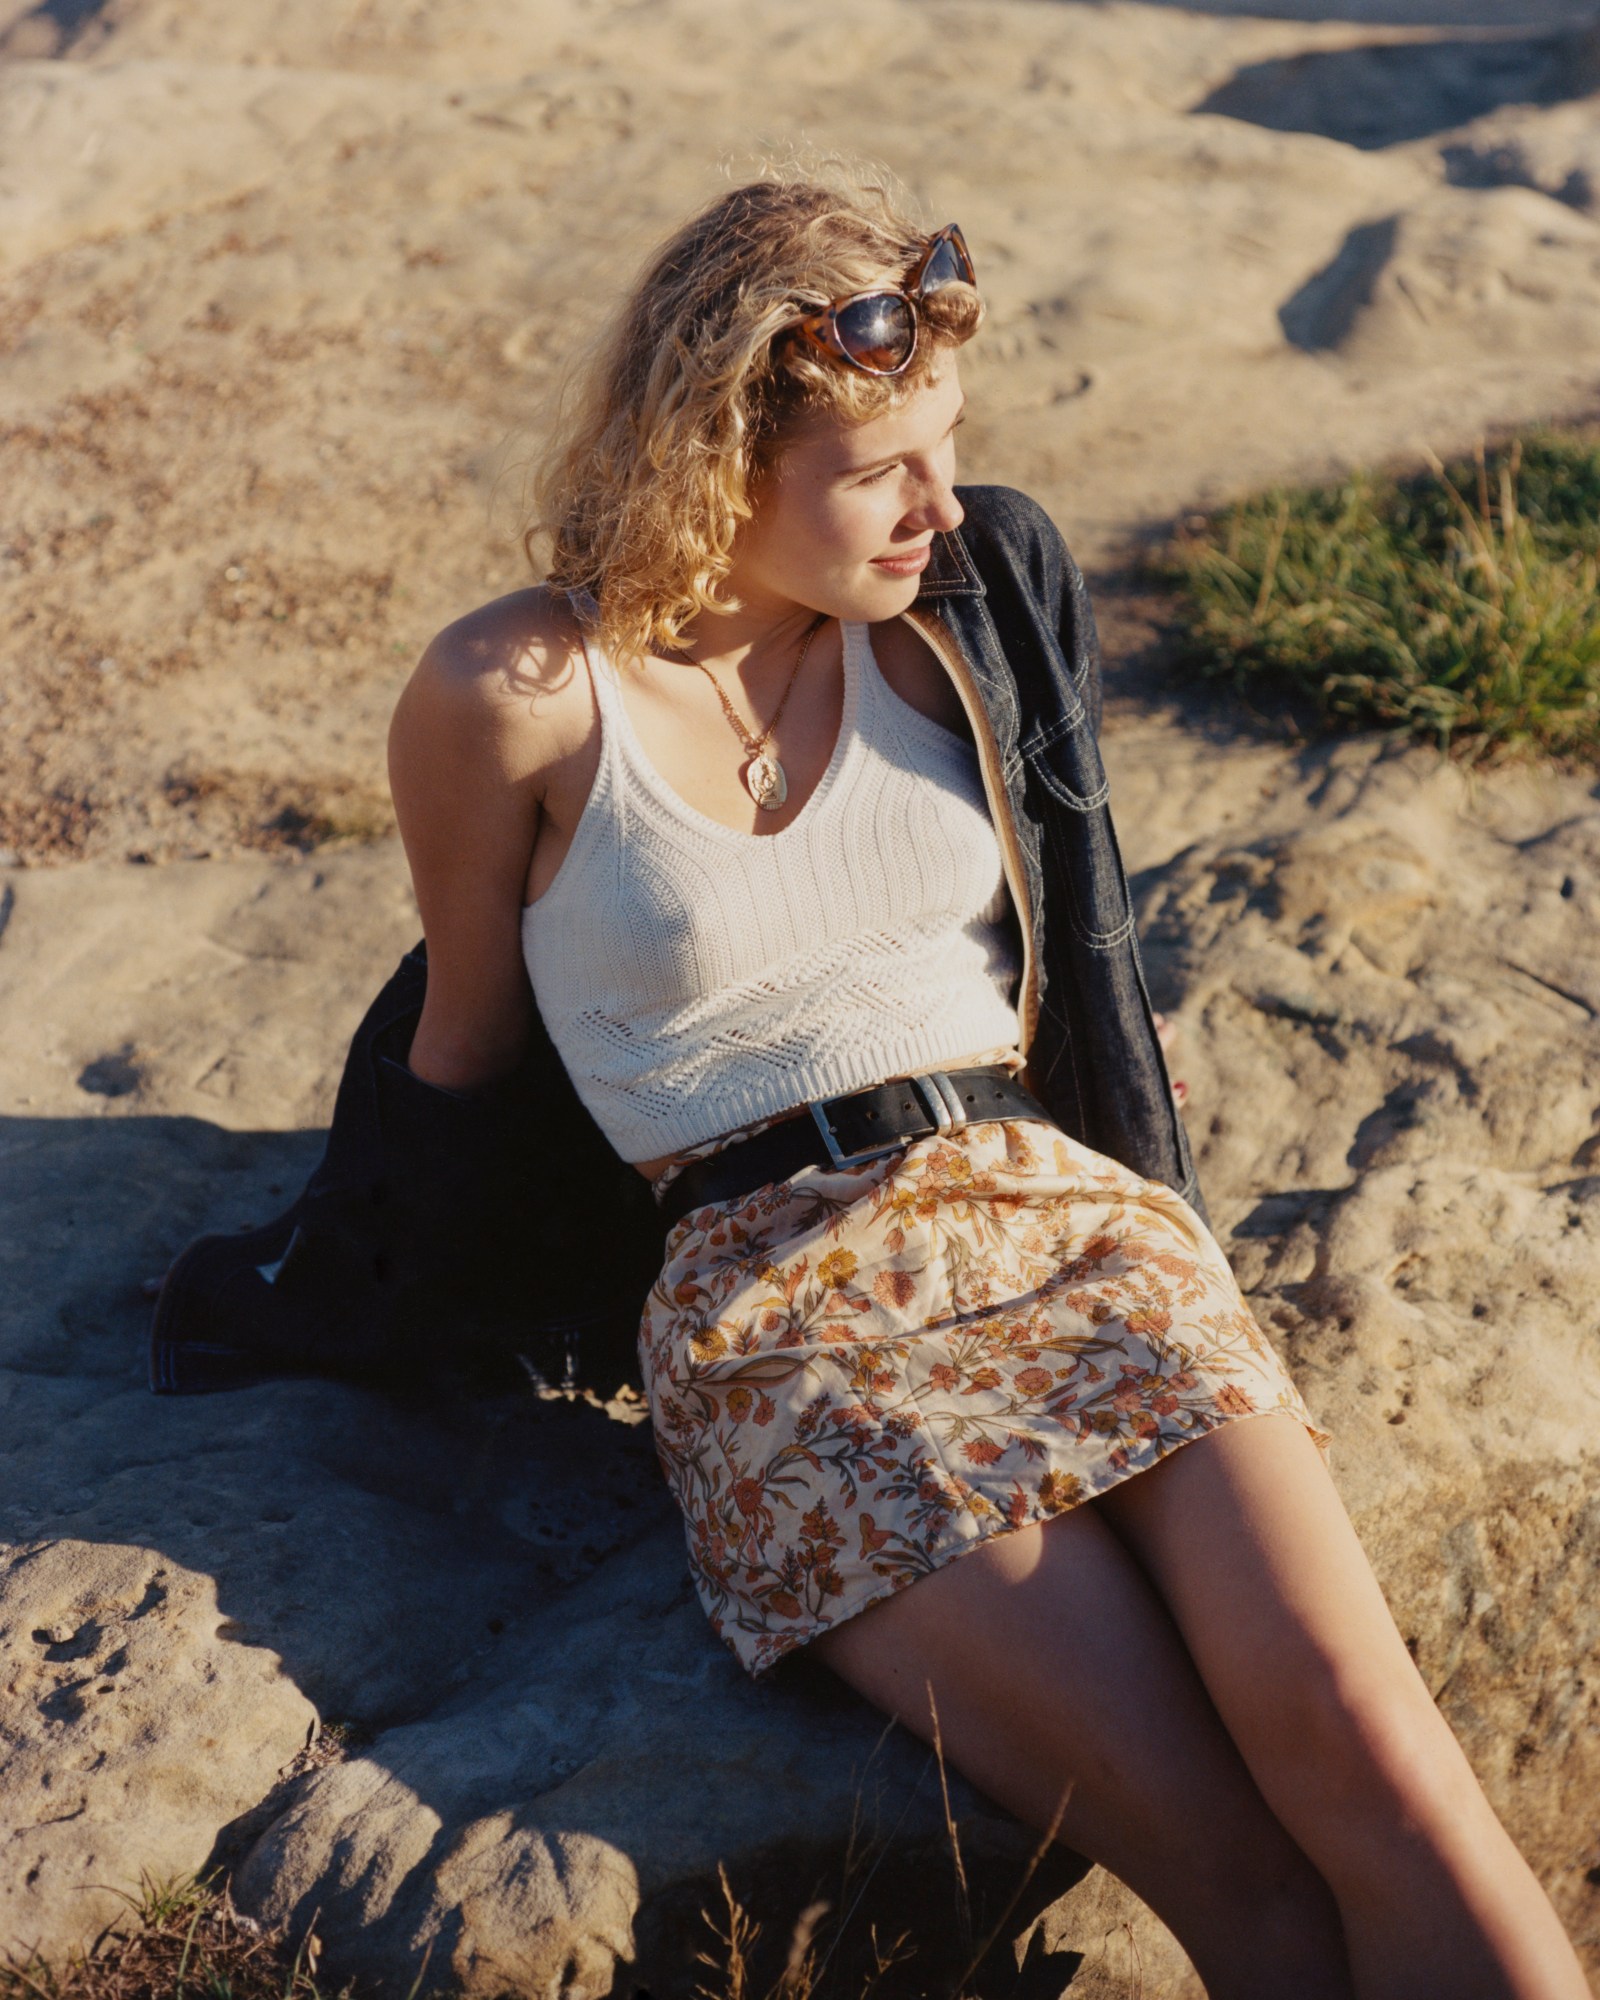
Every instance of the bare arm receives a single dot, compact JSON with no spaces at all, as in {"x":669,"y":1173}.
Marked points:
{"x":470,"y":749}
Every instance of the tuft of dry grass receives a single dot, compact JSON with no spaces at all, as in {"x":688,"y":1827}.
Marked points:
{"x":183,"y":1941}
{"x":1459,"y":604}
{"x":801,"y":1973}
{"x":276,"y":816}
{"x":814,"y":1945}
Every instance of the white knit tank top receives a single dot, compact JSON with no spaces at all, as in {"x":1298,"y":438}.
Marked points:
{"x":695,"y":978}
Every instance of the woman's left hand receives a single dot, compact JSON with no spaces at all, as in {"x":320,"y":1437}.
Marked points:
{"x":1166,"y":1035}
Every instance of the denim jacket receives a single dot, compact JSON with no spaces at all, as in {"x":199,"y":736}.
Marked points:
{"x":1004,"y":606}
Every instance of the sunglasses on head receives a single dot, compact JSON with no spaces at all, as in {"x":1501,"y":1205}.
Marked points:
{"x":876,"y":331}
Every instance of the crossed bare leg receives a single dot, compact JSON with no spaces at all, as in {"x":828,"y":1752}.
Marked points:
{"x":1203,"y":1664}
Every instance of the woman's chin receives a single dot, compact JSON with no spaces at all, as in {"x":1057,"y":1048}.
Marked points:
{"x":885,"y":593}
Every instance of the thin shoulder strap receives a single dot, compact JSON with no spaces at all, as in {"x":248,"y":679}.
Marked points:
{"x":595,"y":658}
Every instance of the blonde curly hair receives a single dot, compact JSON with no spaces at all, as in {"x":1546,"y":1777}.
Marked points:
{"x":690,"y":395}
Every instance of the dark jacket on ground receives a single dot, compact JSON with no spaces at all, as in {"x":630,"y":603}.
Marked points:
{"x":438,"y":1220}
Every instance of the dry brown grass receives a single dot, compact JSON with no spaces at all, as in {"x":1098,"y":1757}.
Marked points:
{"x":183,"y":1940}
{"x":815,"y":1967}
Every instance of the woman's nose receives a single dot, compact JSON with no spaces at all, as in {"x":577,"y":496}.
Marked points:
{"x":938,"y":508}
{"x":951,"y":511}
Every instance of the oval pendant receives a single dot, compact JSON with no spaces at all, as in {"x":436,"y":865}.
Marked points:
{"x":765,"y":782}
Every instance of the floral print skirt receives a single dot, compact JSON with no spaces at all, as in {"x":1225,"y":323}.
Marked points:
{"x":855,"y":1375}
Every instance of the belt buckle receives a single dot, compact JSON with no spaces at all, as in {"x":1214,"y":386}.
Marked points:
{"x":939,"y":1096}
{"x":819,"y":1112}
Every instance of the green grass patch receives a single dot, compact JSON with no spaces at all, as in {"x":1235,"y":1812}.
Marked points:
{"x":1460,"y":604}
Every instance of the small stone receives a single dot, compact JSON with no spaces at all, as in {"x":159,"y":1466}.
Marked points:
{"x":115,"y":1075}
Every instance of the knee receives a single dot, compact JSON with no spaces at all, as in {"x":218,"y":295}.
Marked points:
{"x":1365,"y":1752}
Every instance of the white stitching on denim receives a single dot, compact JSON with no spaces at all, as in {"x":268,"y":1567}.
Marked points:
{"x":1081,"y":802}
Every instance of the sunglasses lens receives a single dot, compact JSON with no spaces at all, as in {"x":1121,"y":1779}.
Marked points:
{"x":878,"y":331}
{"x":949,"y":265}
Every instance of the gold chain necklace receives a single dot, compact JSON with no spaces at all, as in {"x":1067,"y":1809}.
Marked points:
{"x":763,"y":775}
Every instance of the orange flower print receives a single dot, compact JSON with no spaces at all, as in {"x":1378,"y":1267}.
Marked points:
{"x":838,"y":1268}
{"x":1058,"y":1490}
{"x":829,"y":1351}
{"x":894,"y":1288}
{"x":873,"y":1537}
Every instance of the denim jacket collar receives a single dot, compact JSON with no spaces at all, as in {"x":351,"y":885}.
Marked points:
{"x":951,"y":571}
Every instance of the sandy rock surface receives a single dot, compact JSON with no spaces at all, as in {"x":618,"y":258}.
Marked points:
{"x":280,"y":292}
{"x":136,"y":1724}
{"x":576,"y":1811}
{"x":1388,"y":975}
{"x":486,"y":1600}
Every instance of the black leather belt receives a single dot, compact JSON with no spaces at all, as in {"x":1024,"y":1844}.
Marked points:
{"x":846,"y":1131}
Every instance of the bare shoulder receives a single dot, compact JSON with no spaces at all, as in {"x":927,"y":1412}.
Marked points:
{"x":485,"y":755}
{"x":506,"y":677}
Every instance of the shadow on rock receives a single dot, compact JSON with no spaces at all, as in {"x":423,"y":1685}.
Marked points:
{"x":549,"y":1755}
{"x":1385,"y":13}
{"x":1387,"y":94}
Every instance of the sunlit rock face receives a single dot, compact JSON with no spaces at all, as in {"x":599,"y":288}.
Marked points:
{"x":281,"y":291}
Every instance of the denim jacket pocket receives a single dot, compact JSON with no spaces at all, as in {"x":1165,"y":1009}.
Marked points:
{"x":1065,"y":759}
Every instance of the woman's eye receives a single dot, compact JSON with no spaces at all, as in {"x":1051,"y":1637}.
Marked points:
{"x":872,"y":478}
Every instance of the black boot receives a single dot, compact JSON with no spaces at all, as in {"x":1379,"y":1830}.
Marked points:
{"x":439,"y":1229}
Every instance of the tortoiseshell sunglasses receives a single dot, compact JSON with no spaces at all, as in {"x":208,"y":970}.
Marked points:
{"x":876,"y":331}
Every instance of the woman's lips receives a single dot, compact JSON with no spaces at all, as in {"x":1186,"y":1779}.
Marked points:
{"x":912,"y":564}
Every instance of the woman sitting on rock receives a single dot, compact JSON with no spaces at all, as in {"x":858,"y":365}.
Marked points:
{"x":778,"y":810}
